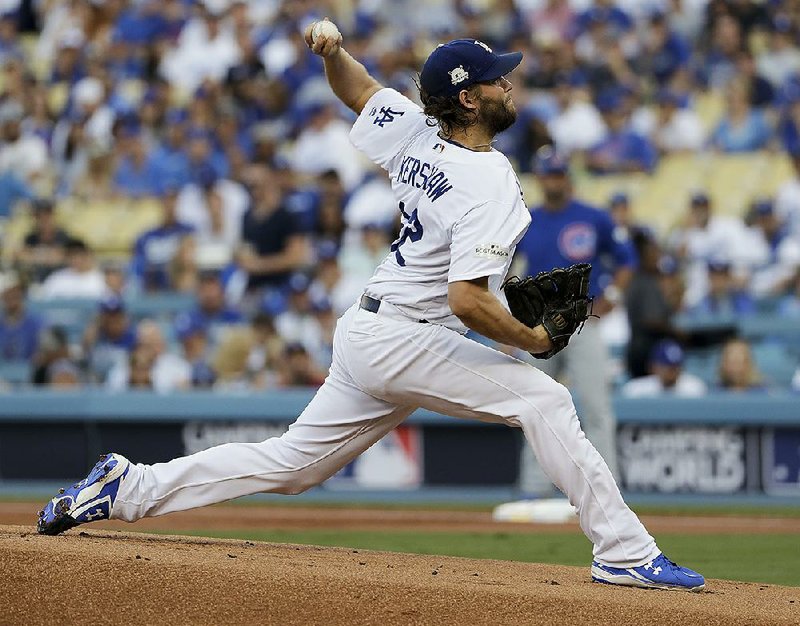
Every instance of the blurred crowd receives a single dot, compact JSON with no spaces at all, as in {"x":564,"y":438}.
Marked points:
{"x":273,"y":222}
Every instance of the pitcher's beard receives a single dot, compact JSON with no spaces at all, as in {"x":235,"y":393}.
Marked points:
{"x":497,"y":116}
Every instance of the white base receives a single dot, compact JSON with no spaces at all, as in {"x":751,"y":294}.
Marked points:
{"x":548,"y":511}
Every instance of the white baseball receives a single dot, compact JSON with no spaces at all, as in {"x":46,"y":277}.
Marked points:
{"x":324,"y":29}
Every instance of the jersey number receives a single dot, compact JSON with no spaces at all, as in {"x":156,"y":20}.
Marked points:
{"x":411,"y":230}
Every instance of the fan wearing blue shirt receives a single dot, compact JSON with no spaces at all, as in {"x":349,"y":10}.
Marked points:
{"x":155,"y":249}
{"x":212,"y":311}
{"x":622,"y":150}
{"x":565,"y":231}
{"x":19,"y":329}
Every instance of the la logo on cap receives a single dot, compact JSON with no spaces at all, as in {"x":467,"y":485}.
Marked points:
{"x":458,"y":75}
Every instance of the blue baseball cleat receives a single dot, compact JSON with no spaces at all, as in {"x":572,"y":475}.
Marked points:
{"x":660,"y":573}
{"x":88,"y":500}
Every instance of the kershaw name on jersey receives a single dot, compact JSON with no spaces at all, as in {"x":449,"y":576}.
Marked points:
{"x":423,"y":175}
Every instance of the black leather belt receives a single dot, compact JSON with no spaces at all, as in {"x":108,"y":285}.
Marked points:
{"x":372,"y":305}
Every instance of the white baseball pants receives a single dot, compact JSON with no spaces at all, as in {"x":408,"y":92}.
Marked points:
{"x":384,"y":367}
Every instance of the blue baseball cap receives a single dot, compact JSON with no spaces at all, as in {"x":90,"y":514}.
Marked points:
{"x":456,"y":65}
{"x":667,"y":352}
{"x":187,"y":325}
{"x":619,"y":197}
{"x":700,"y":198}
{"x":549,"y":161}
{"x":763,"y":207}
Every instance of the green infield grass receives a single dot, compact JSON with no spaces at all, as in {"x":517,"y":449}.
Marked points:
{"x":764,"y":558}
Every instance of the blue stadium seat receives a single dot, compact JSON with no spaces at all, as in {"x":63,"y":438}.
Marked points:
{"x":15,"y":372}
{"x":775,"y":362}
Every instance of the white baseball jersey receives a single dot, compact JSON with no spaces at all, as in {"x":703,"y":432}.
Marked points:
{"x":462,"y":211}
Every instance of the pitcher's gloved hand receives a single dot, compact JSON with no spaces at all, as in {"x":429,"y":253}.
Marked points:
{"x":558,"y":300}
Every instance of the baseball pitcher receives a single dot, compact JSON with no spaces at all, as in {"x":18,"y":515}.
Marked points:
{"x":402,"y":345}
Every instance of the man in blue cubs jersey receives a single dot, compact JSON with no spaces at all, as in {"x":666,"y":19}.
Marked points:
{"x":564,"y":231}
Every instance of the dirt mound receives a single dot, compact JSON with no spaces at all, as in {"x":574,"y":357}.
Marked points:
{"x":106,"y":576}
{"x":229,"y":517}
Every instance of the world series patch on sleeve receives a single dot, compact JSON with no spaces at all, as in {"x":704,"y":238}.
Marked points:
{"x":558,"y":300}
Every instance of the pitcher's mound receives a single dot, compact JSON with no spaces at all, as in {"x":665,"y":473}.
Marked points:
{"x":91,"y":576}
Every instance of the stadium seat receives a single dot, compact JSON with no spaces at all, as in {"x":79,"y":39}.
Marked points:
{"x":70,"y":313}
{"x":775,"y":362}
{"x":710,"y":106}
{"x":15,"y":372}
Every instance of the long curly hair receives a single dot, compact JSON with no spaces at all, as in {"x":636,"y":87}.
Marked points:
{"x":448,"y":110}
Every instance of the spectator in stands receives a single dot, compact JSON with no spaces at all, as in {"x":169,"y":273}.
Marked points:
{"x":650,"y":311}
{"x":551,"y":18}
{"x":298,"y":369}
{"x":136,"y":175}
{"x":89,"y":124}
{"x":357,"y":260}
{"x":762,"y":93}
{"x":775,"y":255}
{"x":605,"y":42}
{"x":44,"y":247}
{"x":96,"y":182}
{"x":116,"y":277}
{"x":214,"y":207}
{"x":23,"y":153}
{"x":81,"y":278}
{"x":168,"y":371}
{"x":324,"y":144}
{"x":787,"y":199}
{"x":742,"y":129}
{"x":737,"y":368}
{"x":578,"y":125}
{"x":621,"y":213}
{"x":677,"y":128}
{"x":193,"y":335}
{"x":212,"y":311}
{"x":719,"y":62}
{"x":666,"y":375}
{"x":52,"y":364}
{"x":622,"y":150}
{"x":108,"y":340}
{"x":328,"y":277}
{"x":13,"y":190}
{"x":273,"y":244}
{"x":19,"y":329}
{"x":372,"y":203}
{"x":781,"y":58}
{"x":170,"y":160}
{"x":664,"y":52}
{"x":231,"y":360}
{"x":788,"y":125}
{"x":156,"y":248}
{"x":329,"y":224}
{"x":139,"y":369}
{"x":205,"y":50}
{"x":266,"y":351}
{"x":724,"y":298}
{"x":702,"y":236}
{"x":298,"y":324}
{"x":184,"y":270}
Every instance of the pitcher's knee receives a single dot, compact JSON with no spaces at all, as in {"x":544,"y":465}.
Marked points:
{"x":299,"y":481}
{"x":552,"y":401}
